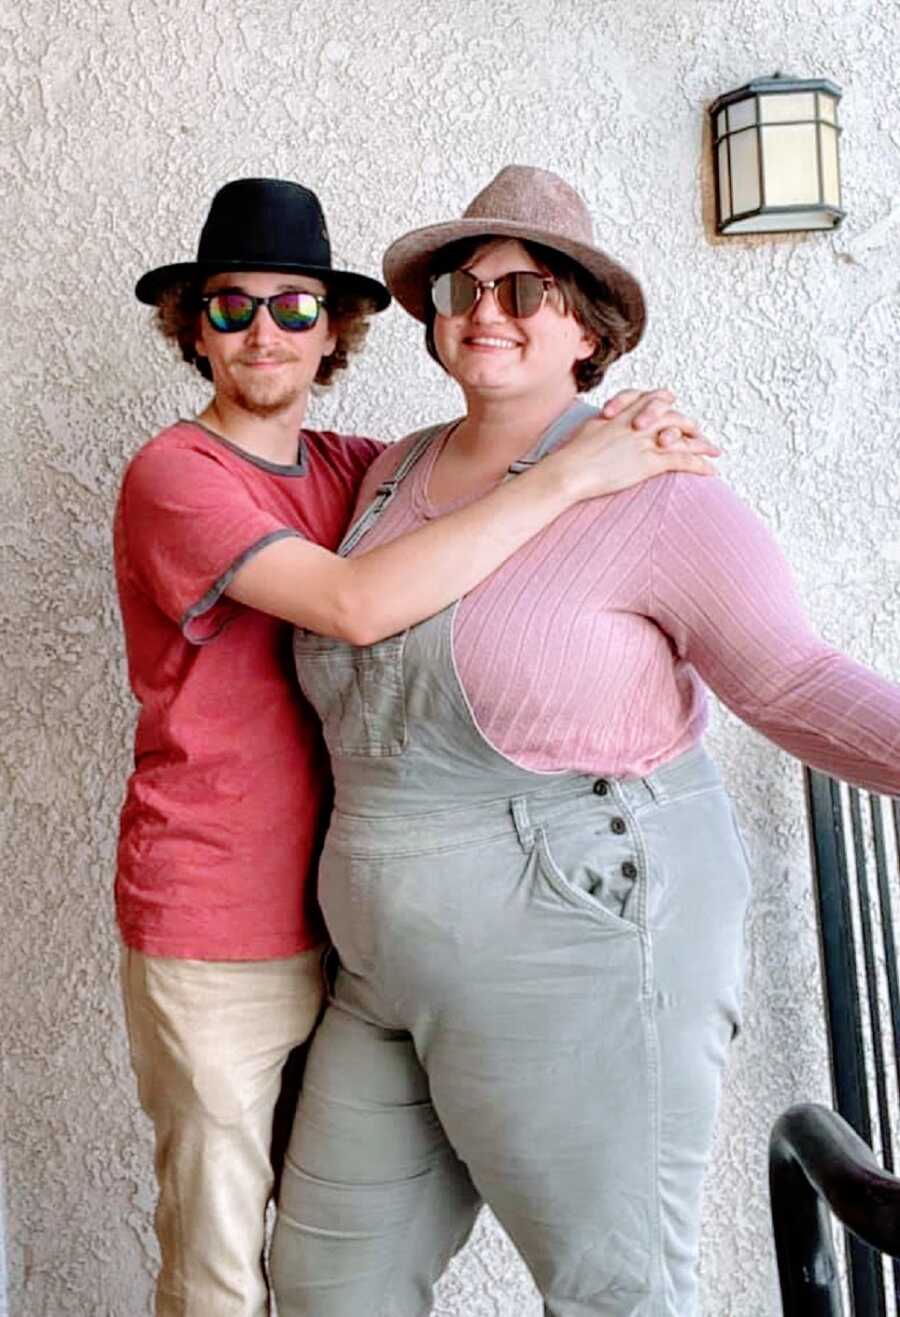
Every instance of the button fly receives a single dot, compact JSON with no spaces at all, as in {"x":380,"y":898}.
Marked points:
{"x":629,"y":870}
{"x":601,"y":787}
{"x":617,"y":826}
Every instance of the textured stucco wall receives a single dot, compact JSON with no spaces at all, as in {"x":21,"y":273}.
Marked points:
{"x":119,"y":119}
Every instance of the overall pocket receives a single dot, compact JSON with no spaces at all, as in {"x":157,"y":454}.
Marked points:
{"x":595,"y":864}
{"x":356,"y":691}
{"x":348,"y":896}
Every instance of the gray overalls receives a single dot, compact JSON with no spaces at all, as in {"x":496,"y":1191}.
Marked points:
{"x":539,"y":978}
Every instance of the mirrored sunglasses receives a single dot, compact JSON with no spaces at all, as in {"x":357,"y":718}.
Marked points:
{"x":520,"y":293}
{"x":230,"y":311}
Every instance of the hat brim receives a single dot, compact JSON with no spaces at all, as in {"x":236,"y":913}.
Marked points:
{"x":150,"y":287}
{"x":407,"y":263}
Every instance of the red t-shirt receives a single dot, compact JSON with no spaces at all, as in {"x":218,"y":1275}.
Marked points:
{"x":224,"y":810}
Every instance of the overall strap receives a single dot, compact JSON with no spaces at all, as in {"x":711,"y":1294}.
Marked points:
{"x":388,"y":488}
{"x":572,"y":417}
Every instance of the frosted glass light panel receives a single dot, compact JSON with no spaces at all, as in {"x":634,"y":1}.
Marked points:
{"x":775,"y":145}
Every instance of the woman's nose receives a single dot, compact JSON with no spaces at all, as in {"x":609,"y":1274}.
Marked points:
{"x":487,"y":308}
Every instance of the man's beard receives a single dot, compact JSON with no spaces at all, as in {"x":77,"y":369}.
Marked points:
{"x":268,"y":398}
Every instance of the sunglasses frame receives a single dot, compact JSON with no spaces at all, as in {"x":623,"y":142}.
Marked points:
{"x":257,"y":302}
{"x":479,"y":285}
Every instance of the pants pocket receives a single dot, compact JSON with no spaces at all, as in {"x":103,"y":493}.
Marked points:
{"x":347,"y":896}
{"x":601,"y":874}
{"x":357,"y":691}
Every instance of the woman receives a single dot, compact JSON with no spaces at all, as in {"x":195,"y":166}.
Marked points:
{"x":532,"y":877}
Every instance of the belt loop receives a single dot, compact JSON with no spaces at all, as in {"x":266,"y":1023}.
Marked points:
{"x":524,"y":827}
{"x":656,"y":789}
{"x":640,"y":791}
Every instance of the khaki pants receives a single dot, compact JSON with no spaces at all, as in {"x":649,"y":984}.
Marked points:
{"x":208,"y":1044}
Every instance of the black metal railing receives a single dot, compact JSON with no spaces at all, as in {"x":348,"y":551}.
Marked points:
{"x":819,"y":1165}
{"x":854,"y":840}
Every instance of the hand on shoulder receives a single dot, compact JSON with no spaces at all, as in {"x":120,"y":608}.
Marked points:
{"x":637,"y":435}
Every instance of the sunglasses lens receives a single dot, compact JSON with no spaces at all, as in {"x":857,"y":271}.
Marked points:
{"x":294,"y":311}
{"x":230,"y":312}
{"x":454,"y":294}
{"x":521,"y":293}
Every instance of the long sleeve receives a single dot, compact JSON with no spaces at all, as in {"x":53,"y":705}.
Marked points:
{"x":723,"y":592}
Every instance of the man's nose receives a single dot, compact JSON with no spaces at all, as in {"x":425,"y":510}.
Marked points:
{"x":264,"y":328}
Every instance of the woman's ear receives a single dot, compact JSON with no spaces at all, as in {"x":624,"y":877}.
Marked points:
{"x":587,"y":346}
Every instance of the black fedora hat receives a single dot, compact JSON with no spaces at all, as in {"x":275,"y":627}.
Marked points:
{"x":263,"y":224}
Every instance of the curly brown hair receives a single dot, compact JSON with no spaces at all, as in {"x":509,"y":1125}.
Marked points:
{"x":592,"y":303}
{"x":348,"y":316}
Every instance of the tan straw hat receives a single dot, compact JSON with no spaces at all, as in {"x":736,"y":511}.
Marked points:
{"x":531,"y":205}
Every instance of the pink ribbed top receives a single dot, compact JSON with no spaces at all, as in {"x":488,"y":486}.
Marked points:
{"x":589,"y":649}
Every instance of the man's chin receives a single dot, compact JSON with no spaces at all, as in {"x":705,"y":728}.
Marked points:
{"x":267,"y":403}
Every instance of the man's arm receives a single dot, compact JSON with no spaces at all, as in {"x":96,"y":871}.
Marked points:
{"x":375,"y":594}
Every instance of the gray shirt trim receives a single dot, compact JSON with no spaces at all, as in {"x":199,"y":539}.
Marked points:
{"x":301,"y":468}
{"x":218,"y":588}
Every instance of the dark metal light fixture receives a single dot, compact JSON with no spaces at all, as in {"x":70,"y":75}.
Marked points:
{"x":775,"y":147}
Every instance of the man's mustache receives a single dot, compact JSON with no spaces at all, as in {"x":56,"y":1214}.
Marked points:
{"x":257,"y":358}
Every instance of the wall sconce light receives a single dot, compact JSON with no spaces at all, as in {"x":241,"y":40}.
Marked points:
{"x":775,"y":147}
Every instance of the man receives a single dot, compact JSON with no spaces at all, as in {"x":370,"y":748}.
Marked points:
{"x":225,"y":531}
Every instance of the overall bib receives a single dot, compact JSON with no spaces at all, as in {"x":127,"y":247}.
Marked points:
{"x":539,"y":979}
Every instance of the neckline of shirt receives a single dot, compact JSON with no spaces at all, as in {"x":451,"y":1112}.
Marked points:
{"x":423,"y":505}
{"x":298,"y":468}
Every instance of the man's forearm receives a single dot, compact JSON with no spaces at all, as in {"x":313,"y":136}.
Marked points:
{"x":378,"y":593}
{"x":411,"y":578}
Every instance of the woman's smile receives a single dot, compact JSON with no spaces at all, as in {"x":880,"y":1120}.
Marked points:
{"x":482,"y":342}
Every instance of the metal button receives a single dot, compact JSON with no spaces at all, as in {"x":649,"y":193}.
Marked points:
{"x":617,"y":825}
{"x":601,"y":787}
{"x":629,"y":870}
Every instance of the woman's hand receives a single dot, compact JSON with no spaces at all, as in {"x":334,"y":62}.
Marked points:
{"x":636,"y":436}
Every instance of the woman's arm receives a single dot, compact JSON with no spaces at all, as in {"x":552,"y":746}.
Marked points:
{"x":725,"y":595}
{"x":372,"y":595}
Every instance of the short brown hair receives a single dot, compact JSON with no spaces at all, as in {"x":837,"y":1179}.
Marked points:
{"x":592,"y":303}
{"x":348,"y":315}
